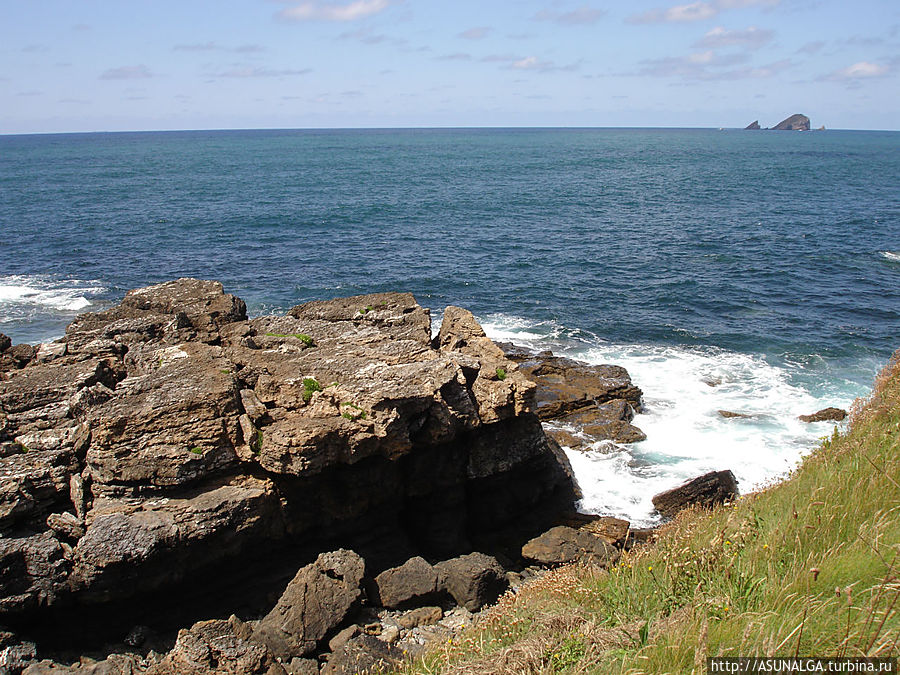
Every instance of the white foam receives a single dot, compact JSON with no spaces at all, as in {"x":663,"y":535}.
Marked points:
{"x":686,"y":435}
{"x":891,"y":255}
{"x":21,"y":293}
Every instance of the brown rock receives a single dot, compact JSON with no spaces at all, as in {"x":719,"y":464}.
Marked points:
{"x":707,"y":490}
{"x":561,"y":545}
{"x":796,"y":122}
{"x":5,"y":343}
{"x":728,"y":414}
{"x":33,"y":572}
{"x":33,"y":483}
{"x":316,"y":601}
{"x":363,"y":654}
{"x":421,"y":616}
{"x":825,"y":415}
{"x":399,"y":586}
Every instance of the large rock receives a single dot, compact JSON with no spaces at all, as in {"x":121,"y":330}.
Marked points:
{"x":562,"y":544}
{"x":606,"y":421}
{"x":825,"y":415}
{"x":753,"y":126}
{"x":399,"y":586}
{"x":314,"y":603}
{"x":796,"y":122}
{"x":707,"y":490}
{"x":474,"y":580}
{"x":363,"y":654}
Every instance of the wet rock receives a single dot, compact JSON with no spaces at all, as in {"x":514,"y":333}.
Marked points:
{"x":362,"y":654}
{"x":399,"y":586}
{"x":561,"y":545}
{"x":474,"y":580}
{"x":825,"y":415}
{"x":315,"y":602}
{"x":707,"y":490}
{"x":728,"y":414}
{"x":606,"y":421}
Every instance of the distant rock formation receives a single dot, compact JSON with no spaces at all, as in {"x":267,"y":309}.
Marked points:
{"x":796,"y":122}
{"x":753,"y":126}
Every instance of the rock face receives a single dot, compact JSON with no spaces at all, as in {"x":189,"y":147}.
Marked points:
{"x":825,"y":415}
{"x":170,"y":440}
{"x":795,"y":122}
{"x":753,"y":126}
{"x":707,"y":490}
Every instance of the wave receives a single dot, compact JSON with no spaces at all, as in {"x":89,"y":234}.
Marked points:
{"x":893,"y":256}
{"x":684,"y":390}
{"x":22,"y":295}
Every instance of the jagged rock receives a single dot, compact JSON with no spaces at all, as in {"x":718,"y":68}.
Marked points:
{"x":34,"y":482}
{"x":5,"y":343}
{"x":474,"y":580}
{"x":561,"y":545}
{"x":728,"y":415}
{"x":316,"y":601}
{"x":707,"y":490}
{"x":33,"y":572}
{"x":753,"y":126}
{"x":612,"y":530}
{"x":564,"y":385}
{"x":218,"y":646}
{"x":299,"y":666}
{"x":825,"y":415}
{"x":66,"y":526}
{"x":363,"y":654}
{"x":607,"y":421}
{"x":399,"y":586}
{"x":15,"y":657}
{"x":420,"y":616}
{"x":16,"y":357}
{"x":114,"y":664}
{"x":796,"y":122}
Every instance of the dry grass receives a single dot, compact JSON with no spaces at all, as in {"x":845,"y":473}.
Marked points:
{"x":808,"y":567}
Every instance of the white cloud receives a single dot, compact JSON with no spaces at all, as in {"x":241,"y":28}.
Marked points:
{"x":321,"y":11}
{"x":583,"y":15}
{"x":751,"y":38}
{"x":695,"y":11}
{"x":526,"y":63}
{"x":860,"y":71}
{"x":139,"y":72}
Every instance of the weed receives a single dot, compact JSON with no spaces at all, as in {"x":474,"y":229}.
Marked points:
{"x":310,"y":385}
{"x":303,"y":337}
{"x":256,"y":446}
{"x":197,"y":450}
{"x":501,"y":373}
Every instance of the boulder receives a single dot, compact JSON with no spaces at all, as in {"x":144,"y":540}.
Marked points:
{"x":612,"y":530}
{"x":5,"y":343}
{"x":796,"y":122}
{"x":400,"y":586}
{"x":825,"y":415}
{"x":474,"y":580}
{"x":420,"y":616}
{"x":561,"y":545}
{"x":363,"y":654}
{"x":707,"y":490}
{"x":314,"y":603}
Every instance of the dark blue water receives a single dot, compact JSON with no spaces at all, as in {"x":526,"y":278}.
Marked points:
{"x":776,"y":246}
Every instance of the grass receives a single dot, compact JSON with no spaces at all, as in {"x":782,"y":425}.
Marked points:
{"x":310,"y":385}
{"x":808,"y":567}
{"x":303,"y":337}
{"x":501,"y":373}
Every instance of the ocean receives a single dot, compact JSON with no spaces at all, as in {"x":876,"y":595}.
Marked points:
{"x":765,"y":262}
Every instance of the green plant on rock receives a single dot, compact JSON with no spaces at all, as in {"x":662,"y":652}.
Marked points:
{"x":256,"y":445}
{"x":197,"y":451}
{"x":303,"y":337}
{"x":501,"y":373}
{"x":310,"y":385}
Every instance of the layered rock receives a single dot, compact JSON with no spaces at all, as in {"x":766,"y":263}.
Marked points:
{"x":171,"y":442}
{"x":706,"y":491}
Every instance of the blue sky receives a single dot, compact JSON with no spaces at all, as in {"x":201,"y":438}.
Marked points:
{"x":97,"y":65}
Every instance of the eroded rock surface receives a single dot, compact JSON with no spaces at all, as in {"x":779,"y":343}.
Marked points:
{"x":707,"y":490}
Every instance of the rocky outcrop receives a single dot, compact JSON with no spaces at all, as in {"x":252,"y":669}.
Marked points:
{"x":562,"y":544}
{"x":172,"y":445}
{"x":707,"y":490}
{"x":753,"y":126}
{"x":474,"y":580}
{"x":796,"y":122}
{"x":825,"y":415}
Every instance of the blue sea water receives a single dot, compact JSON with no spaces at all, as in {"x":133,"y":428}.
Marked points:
{"x":768,"y":262}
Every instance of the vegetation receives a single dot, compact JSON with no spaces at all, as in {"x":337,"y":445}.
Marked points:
{"x":197,"y":450}
{"x":355,"y":412}
{"x":807,"y":567}
{"x":303,"y":337}
{"x":501,"y":373}
{"x":310,"y":385}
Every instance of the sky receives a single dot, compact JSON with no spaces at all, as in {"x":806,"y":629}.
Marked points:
{"x":103,"y":65}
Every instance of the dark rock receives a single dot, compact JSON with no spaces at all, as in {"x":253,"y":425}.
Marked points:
{"x":343,"y":637}
{"x":16,"y":357}
{"x":474,"y":580}
{"x":363,"y":654}
{"x":66,"y":526}
{"x":299,"y":666}
{"x":413,"y":580}
{"x":753,"y":126}
{"x":796,"y":122}
{"x":612,"y":530}
{"x":561,"y":545}
{"x":707,"y":490}
{"x":5,"y":343}
{"x":33,"y":572}
{"x":314,"y":603}
{"x":15,"y":657}
{"x":825,"y":415}
{"x":421,"y":616}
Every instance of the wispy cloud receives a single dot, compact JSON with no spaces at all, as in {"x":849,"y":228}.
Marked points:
{"x":711,"y":66}
{"x":458,"y":56}
{"x":476,"y":33}
{"x":584,"y":15}
{"x":533,"y":63}
{"x":325,"y":11}
{"x":811,"y":48}
{"x":213,"y":47}
{"x":695,"y":11}
{"x":257,"y":71}
{"x":750,"y":38}
{"x":368,"y":37}
{"x":862,"y":70}
{"x":140,"y":72}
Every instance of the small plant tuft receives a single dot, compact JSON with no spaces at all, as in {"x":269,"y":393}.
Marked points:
{"x":197,"y":451}
{"x":310,"y":385}
{"x":501,"y":373}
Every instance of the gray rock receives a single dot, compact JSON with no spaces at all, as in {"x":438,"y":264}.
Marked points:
{"x":314,"y":603}
{"x":420,"y":616}
{"x":474,"y":580}
{"x":399,"y":586}
{"x":66,"y":526}
{"x":361,"y":655}
{"x":707,"y":490}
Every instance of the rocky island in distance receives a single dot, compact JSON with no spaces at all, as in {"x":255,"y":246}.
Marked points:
{"x":796,"y":122}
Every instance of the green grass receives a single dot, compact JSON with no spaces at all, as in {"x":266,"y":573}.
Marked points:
{"x":303,"y":337}
{"x":501,"y":373}
{"x":808,"y":567}
{"x":310,"y":385}
{"x":197,"y":451}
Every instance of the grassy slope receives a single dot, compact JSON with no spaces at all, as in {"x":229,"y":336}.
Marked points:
{"x":809,"y":567}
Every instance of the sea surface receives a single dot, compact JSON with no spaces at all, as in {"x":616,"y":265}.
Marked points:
{"x":766,"y":262}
